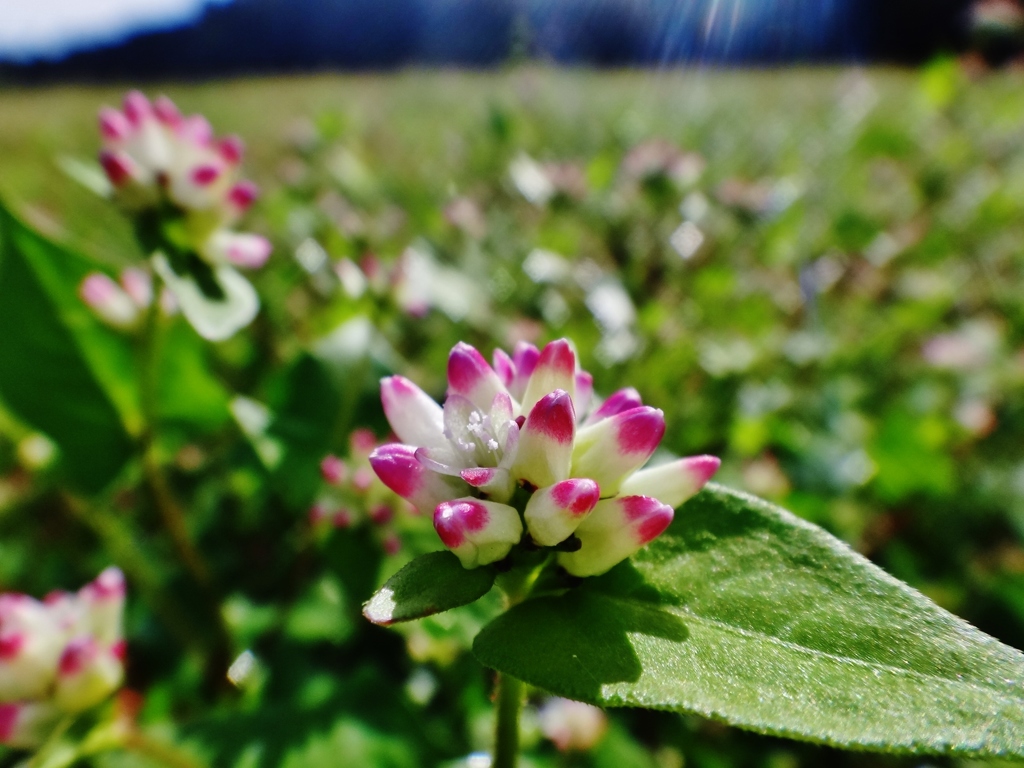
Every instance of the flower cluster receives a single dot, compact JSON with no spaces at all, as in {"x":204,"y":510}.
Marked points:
{"x":122,"y":303}
{"x":352,"y":494}
{"x":181,"y":186}
{"x":58,"y":657}
{"x":518,"y":443}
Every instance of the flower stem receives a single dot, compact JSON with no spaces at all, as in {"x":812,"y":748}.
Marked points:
{"x":511,"y":693}
{"x":127,"y":555}
{"x":158,"y":751}
{"x":171,"y":513}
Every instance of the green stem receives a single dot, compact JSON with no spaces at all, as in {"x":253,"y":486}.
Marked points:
{"x":126,"y":554}
{"x":511,"y":693}
{"x":171,"y":513}
{"x":159,"y":751}
{"x":47,"y":750}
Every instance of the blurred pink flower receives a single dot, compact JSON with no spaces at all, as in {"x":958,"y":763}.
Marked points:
{"x":57,"y":657}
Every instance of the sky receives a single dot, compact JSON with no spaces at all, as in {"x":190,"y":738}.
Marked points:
{"x":49,"y":29}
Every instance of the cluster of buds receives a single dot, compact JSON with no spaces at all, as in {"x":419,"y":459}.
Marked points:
{"x":58,"y":657}
{"x":352,"y":495}
{"x":122,"y":303}
{"x":181,"y":185}
{"x":517,"y":445}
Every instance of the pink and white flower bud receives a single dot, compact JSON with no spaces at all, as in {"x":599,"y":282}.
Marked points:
{"x":614,"y":530}
{"x":414,"y":416}
{"x":243,"y":249}
{"x":102,"y":602}
{"x":555,"y":369}
{"x":30,"y":644}
{"x":613,"y":448}
{"x":471,"y":377}
{"x":138,"y":284}
{"x":674,"y":482}
{"x":572,"y":725}
{"x":24,"y":725}
{"x":108,"y":300}
{"x":87,"y":673}
{"x":553,"y":513}
{"x":478,"y":532}
{"x":399,"y":469}
{"x":546,"y":441}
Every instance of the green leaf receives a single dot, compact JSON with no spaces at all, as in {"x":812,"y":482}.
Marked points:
{"x":744,"y":613}
{"x":430,"y":584}
{"x":63,"y":372}
{"x":189,"y":393}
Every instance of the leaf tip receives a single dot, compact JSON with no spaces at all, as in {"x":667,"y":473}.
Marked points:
{"x":380,"y":609}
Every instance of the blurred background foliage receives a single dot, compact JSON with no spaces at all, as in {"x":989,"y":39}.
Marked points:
{"x":816,"y":274}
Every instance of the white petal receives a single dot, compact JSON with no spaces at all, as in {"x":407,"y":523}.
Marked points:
{"x":213,"y":320}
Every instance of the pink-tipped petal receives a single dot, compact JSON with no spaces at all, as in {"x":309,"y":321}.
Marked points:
{"x":555,"y":369}
{"x":478,"y":532}
{"x":672,"y":483}
{"x":77,"y":655}
{"x":614,"y":530}
{"x":231,"y":148}
{"x":119,"y":167}
{"x":196,"y":130}
{"x":496,"y":483}
{"x":205,"y":175}
{"x":471,"y":377}
{"x":524,"y":361}
{"x":242,"y":196}
{"x":414,"y":416}
{"x":614,"y":448}
{"x":114,"y":126}
{"x":478,"y":477}
{"x":110,"y":585}
{"x":553,"y":513}
{"x":545,"y":447}
{"x":11,"y":644}
{"x":398,"y":468}
{"x":167,"y":112}
{"x":504,"y":367}
{"x":248,"y":250}
{"x":137,"y":108}
{"x":617,"y":402}
{"x":87,"y":674}
{"x":584,"y":393}
{"x":108,"y":300}
{"x":138,"y":284}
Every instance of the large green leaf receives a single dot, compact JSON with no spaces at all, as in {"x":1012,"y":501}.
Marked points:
{"x":430,"y":584}
{"x":744,"y":613}
{"x":61,"y":371}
